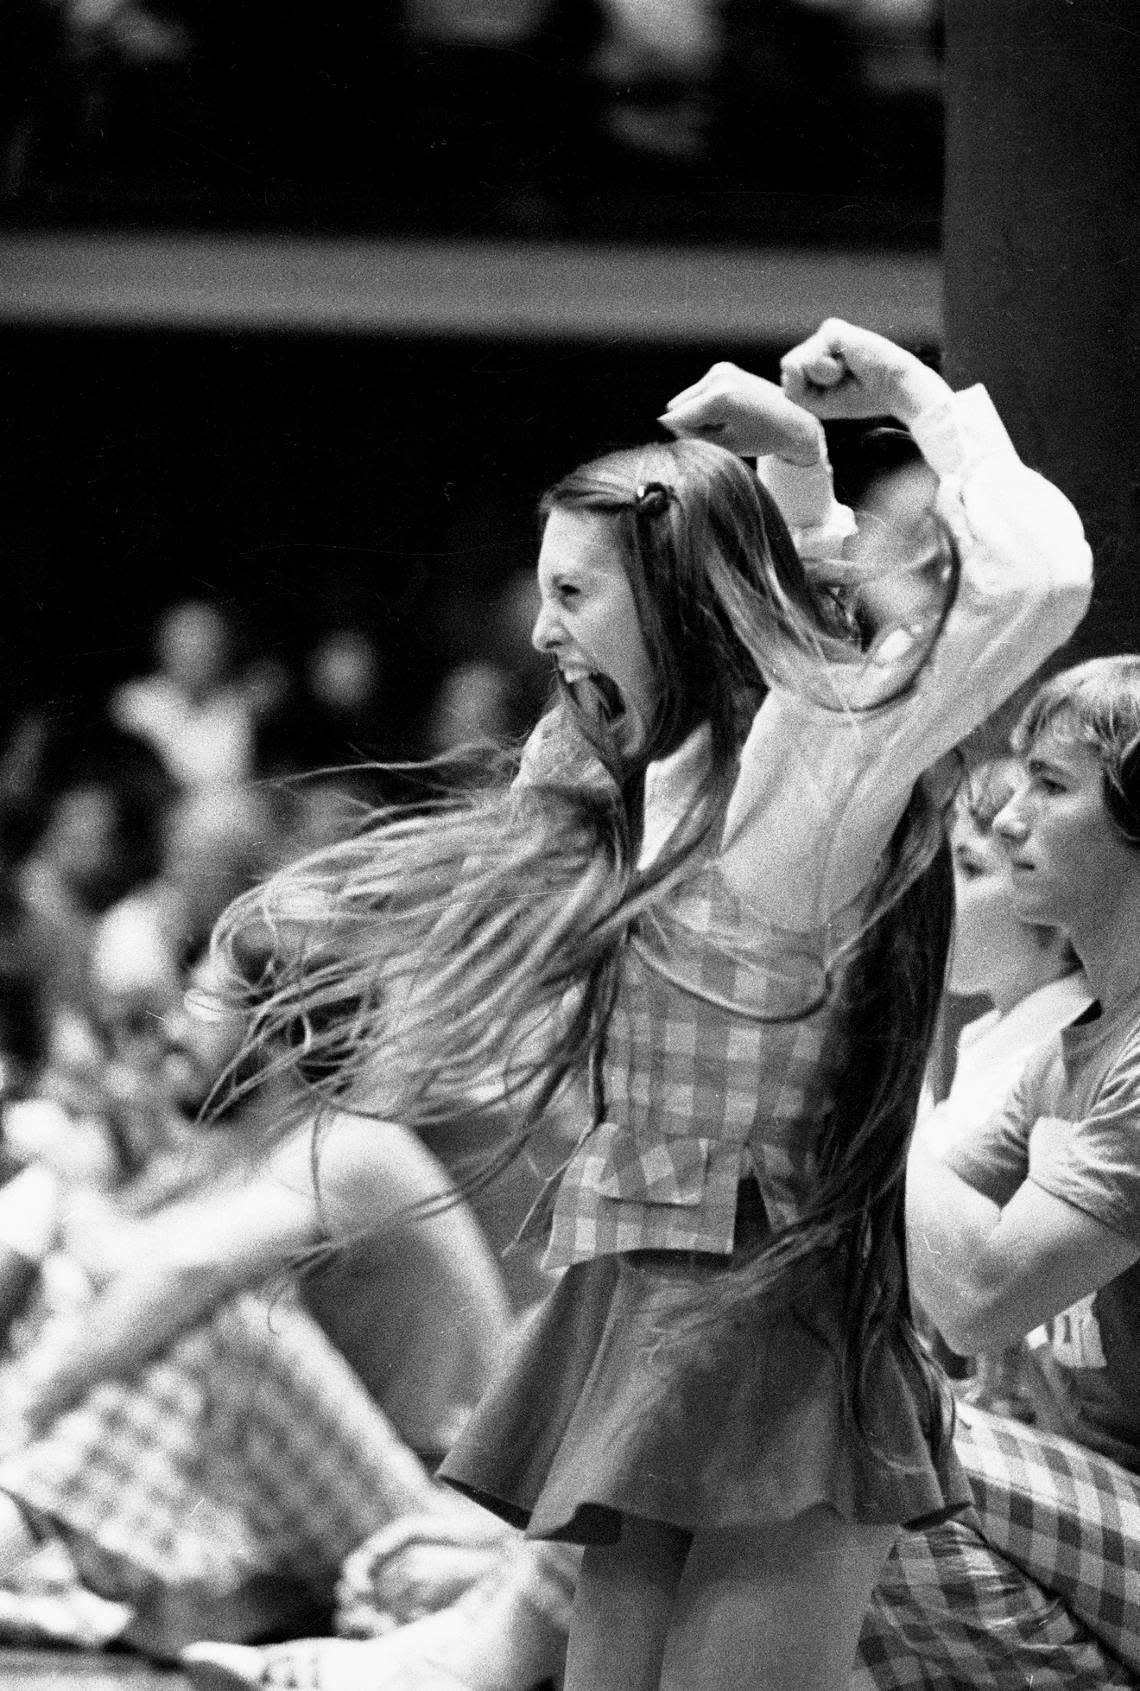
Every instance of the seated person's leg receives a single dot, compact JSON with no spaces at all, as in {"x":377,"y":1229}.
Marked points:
{"x":950,"y":1610}
{"x":1065,"y":1516}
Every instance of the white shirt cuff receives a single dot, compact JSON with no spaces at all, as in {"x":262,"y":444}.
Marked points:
{"x":957,"y":431}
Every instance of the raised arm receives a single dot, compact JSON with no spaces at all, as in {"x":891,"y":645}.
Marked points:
{"x":823,"y":783}
{"x":753,"y":417}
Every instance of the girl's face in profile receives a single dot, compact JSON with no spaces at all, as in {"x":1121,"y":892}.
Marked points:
{"x":588,"y":623}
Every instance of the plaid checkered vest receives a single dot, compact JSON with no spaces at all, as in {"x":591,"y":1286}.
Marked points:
{"x":722,"y":1058}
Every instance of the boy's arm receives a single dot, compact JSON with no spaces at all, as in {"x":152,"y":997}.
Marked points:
{"x":1029,"y":1212}
{"x":988,"y":1274}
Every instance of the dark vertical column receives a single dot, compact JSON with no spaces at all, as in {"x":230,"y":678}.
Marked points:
{"x":1042,"y":258}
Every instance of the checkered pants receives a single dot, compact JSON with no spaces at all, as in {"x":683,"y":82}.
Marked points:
{"x":1038,"y":1587}
{"x":223,"y":1483}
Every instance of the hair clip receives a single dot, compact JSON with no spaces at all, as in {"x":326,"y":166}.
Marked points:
{"x":652,"y":498}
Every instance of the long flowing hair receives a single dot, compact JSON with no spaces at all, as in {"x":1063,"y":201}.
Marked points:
{"x":463,"y":955}
{"x":894,"y":991}
{"x":477,"y":934}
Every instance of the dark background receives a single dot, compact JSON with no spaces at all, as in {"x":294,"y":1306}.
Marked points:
{"x":301,"y":483}
{"x":384,"y":479}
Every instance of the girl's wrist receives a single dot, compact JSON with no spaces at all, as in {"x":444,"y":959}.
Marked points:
{"x":919,"y":389}
{"x":808,"y":450}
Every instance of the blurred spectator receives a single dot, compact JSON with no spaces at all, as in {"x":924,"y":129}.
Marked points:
{"x":657,"y":61}
{"x":539,"y":117}
{"x":345,"y":676}
{"x":218,"y":842}
{"x":190,"y":710}
{"x":65,"y":1127}
{"x":332,"y":717}
{"x":86,"y":816}
{"x":204,"y":1458}
{"x":476,"y":702}
{"x":204,"y":1219}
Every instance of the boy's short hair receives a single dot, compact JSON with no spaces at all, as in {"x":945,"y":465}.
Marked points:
{"x":1100,"y":703}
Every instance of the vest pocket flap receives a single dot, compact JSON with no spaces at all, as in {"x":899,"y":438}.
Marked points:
{"x":671,"y":1172}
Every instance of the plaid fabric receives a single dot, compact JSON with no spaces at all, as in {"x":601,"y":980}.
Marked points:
{"x":720,"y":1057}
{"x":950,"y":1614}
{"x":249,"y":1457}
{"x":1040,"y":1587}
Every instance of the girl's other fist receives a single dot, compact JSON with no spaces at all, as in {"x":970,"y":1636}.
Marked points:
{"x":844,"y":371}
{"x":746,"y":414}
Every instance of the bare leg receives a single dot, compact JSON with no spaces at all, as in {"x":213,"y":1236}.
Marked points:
{"x":774,"y":1609}
{"x":623,"y":1607}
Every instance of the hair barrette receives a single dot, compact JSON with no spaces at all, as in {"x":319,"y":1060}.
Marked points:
{"x":651,"y":498}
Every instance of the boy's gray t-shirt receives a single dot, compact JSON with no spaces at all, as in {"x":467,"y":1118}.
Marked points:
{"x":1072,"y":1126}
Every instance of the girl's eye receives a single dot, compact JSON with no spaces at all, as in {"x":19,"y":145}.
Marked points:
{"x":568,"y":592}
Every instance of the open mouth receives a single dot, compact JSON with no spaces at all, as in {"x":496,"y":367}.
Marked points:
{"x":597,"y":695}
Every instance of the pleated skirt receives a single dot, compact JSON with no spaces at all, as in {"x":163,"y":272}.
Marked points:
{"x":638,"y":1389}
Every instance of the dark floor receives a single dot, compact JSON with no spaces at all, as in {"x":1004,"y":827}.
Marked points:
{"x":76,"y":1670}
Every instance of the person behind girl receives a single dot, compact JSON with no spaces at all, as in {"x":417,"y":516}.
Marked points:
{"x":1032,"y":980}
{"x":1030,"y":1225}
{"x":716,"y":897}
{"x":1028,"y":972}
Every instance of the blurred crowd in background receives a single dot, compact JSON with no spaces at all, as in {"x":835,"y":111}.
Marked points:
{"x":154,"y":1371}
{"x":126,"y":829}
{"x":651,"y":119}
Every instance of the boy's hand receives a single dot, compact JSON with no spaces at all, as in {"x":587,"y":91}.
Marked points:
{"x":843,"y":371}
{"x":746,"y":414}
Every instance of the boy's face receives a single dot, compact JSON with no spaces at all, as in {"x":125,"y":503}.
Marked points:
{"x":1068,"y":861}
